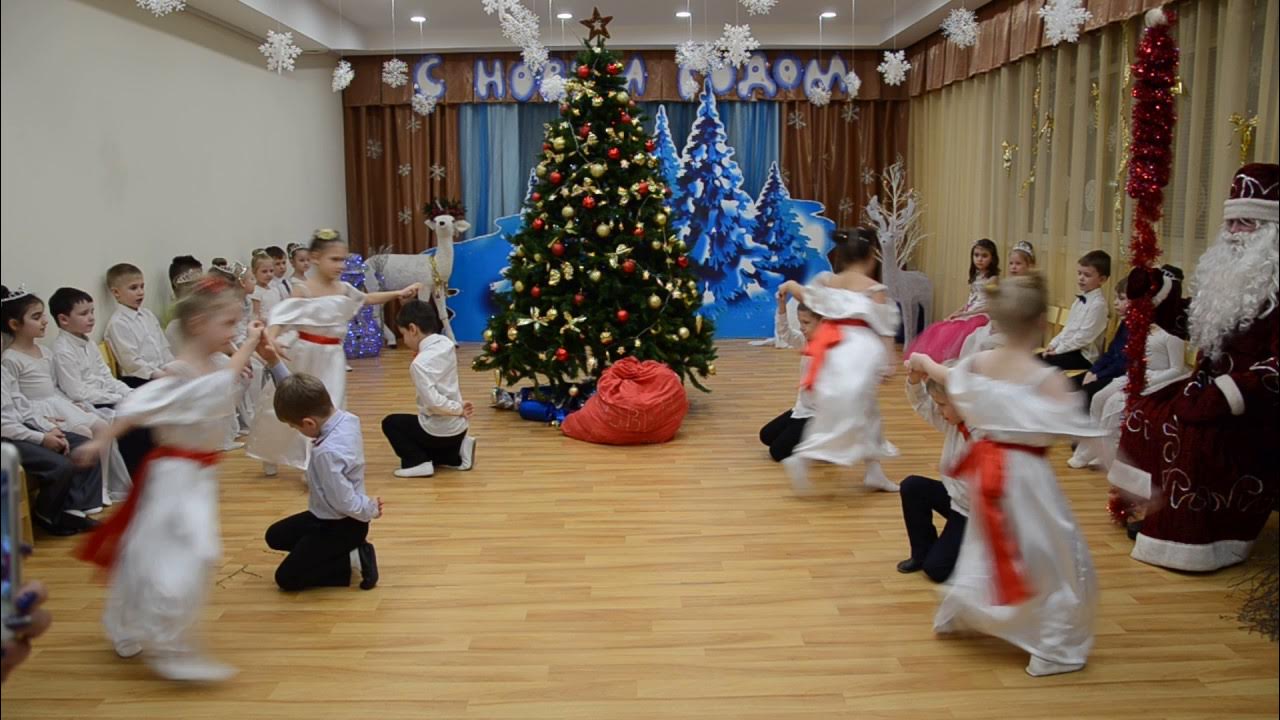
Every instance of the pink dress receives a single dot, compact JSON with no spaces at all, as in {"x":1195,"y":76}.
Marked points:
{"x":943,"y":340}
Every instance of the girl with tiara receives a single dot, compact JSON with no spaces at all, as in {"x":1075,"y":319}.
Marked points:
{"x":944,"y":340}
{"x":850,"y":354}
{"x":1024,"y":573}
{"x":162,"y":546}
{"x":1022,"y":260}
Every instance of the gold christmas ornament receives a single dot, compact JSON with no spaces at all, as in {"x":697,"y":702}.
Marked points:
{"x":518,"y":286}
{"x":697,"y":324}
{"x":512,"y":333}
{"x":558,"y":143}
{"x":587,"y":182}
{"x":603,"y":230}
{"x":682,"y":246}
{"x":598,"y":169}
{"x":553,"y":278}
{"x":711,"y":369}
{"x":644,"y":275}
{"x":683,"y":332}
{"x":541,"y":170}
{"x":606,"y":337}
{"x":656,"y":244}
{"x":677,"y":295}
{"x":594,"y":275}
{"x":655,"y":302}
{"x":537,"y":257}
{"x":542,"y":356}
{"x":573,"y":391}
{"x":488,"y":335}
{"x":552,"y":314}
{"x":567,"y":270}
{"x":660,"y":218}
{"x":623,"y":97}
{"x":639,"y":344}
{"x":638,"y":158}
{"x":597,"y":101}
{"x":567,"y":212}
{"x":577,"y":112}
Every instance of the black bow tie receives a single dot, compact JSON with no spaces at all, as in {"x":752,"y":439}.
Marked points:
{"x":1081,"y":298}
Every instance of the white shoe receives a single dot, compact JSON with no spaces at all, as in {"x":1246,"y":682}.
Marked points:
{"x":426,"y":469}
{"x":349,"y":368}
{"x":468,"y":454}
{"x":1039,"y":667}
{"x":128,"y":648}
{"x":798,"y":472}
{"x":190,"y":667}
{"x":93,"y":511}
{"x":270,"y":469}
{"x":876,"y":479}
{"x":107,"y":501}
{"x":233,"y":446}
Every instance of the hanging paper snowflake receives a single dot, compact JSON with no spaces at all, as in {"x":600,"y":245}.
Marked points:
{"x":796,"y":120}
{"x":373,"y":148}
{"x":818,"y":94}
{"x":758,"y":7}
{"x":160,"y":8}
{"x":1062,"y":19}
{"x":520,"y":25}
{"x":961,"y":27}
{"x":535,"y":57}
{"x":342,"y":76}
{"x":395,"y":73}
{"x":553,"y":89}
{"x":736,"y":44}
{"x":895,"y":67}
{"x":850,"y":113}
{"x":437,"y":172}
{"x":422,"y":104}
{"x":698,"y":57}
{"x":405,"y":216}
{"x":853,"y":84}
{"x":404,"y":169}
{"x":413,"y":124}
{"x":279,"y":51}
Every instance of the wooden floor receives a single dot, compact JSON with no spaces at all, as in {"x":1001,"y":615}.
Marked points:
{"x":560,"y":580}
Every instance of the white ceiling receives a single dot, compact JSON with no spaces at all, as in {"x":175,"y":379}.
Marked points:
{"x":461,"y":25}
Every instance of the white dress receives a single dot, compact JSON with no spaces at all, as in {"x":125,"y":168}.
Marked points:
{"x":169,"y":552}
{"x":845,"y":427}
{"x":1056,"y":622}
{"x":35,"y":378}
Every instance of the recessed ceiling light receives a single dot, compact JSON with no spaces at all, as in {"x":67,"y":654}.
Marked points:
{"x":418,"y":18}
{"x":827,"y":15}
{"x":565,"y":16}
{"x":684,"y":14}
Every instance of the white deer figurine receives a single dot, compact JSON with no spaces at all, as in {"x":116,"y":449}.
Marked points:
{"x":896,"y":222}
{"x":394,"y":271}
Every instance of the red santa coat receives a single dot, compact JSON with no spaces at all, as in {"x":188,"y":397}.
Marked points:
{"x":1206,"y":453}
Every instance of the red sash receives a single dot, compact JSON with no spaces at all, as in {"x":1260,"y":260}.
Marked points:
{"x":318,"y":339}
{"x":985,"y":464}
{"x":102,"y":546}
{"x":827,"y":336}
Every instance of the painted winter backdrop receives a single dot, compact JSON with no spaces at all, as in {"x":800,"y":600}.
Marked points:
{"x":743,"y":249}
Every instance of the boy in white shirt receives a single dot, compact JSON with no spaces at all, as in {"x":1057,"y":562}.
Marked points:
{"x":279,"y":268}
{"x":783,"y":433}
{"x":1082,"y":337}
{"x":133,"y":332}
{"x":437,"y":435}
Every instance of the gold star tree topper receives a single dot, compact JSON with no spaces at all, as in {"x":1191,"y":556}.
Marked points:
{"x":597,"y":24}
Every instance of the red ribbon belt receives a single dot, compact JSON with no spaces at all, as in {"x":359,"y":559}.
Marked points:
{"x":827,"y":336}
{"x":102,"y":546}
{"x":985,"y":462}
{"x":318,"y":339}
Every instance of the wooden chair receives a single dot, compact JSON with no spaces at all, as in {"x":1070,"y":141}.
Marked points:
{"x":109,"y":358}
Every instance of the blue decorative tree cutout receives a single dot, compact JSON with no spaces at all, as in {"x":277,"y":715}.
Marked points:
{"x":668,"y":156}
{"x":364,"y":334}
{"x":710,"y":215}
{"x":778,"y":231}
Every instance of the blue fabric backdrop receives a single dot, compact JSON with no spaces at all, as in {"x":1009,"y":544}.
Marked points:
{"x":501,"y":142}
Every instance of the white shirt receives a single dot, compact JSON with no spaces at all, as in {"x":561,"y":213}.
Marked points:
{"x":282,"y":286}
{"x":267,"y":298}
{"x":136,"y":340}
{"x":954,"y":445}
{"x":1086,"y":327}
{"x":335,"y":474}
{"x":787,"y":333}
{"x":82,"y":373}
{"x":435,"y":376}
{"x":18,"y":421}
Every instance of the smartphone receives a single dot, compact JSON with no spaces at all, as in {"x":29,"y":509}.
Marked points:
{"x":11,"y":539}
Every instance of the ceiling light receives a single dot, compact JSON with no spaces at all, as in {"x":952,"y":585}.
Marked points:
{"x":684,"y":14}
{"x":418,"y":19}
{"x":827,"y":15}
{"x":565,"y":16}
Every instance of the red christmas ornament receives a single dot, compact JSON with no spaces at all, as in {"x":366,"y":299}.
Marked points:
{"x":562,"y":354}
{"x":579,"y":298}
{"x":628,"y":266}
{"x":683,"y":261}
{"x":546,"y":147}
{"x":555,"y":177}
{"x":536,"y":196}
{"x":614,"y":68}
{"x":493,"y":347}
{"x":623,"y":316}
{"x":589,"y":202}
{"x":538,"y":224}
{"x":535,"y":292}
{"x":584,"y":72}
{"x":643,"y":189}
{"x":614,"y":153}
{"x":650,"y":145}
{"x":557,"y":248}
{"x":564,"y":108}
{"x":584,"y":131}
{"x":638,"y":232}
{"x":625,"y":118}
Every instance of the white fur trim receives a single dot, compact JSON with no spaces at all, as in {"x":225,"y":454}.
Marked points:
{"x":1188,"y":557}
{"x":1251,"y":209}
{"x":1132,"y":480}
{"x":1166,"y":287}
{"x":1231,"y":391}
{"x":1156,"y":16}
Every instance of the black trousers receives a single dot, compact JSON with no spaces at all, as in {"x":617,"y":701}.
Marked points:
{"x":782,"y":434}
{"x":1073,"y":360}
{"x":63,"y":486}
{"x":134,"y":382}
{"x":921,"y":497}
{"x":134,"y":445}
{"x":414,"y":446}
{"x":319,"y":550}
{"x":1091,"y":388}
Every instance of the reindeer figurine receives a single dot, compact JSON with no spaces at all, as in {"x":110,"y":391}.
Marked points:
{"x":394,"y":271}
{"x":897,"y":223}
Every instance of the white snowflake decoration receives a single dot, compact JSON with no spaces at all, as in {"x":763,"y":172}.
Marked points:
{"x":796,"y":120}
{"x":961,"y":27}
{"x":758,"y":7}
{"x":437,"y":172}
{"x":520,"y":25}
{"x":373,"y":148}
{"x":853,"y":84}
{"x":690,"y":86}
{"x":413,"y":124}
{"x":160,"y":8}
{"x":845,"y":207}
{"x":279,"y":51}
{"x":1062,"y":19}
{"x":395,"y":73}
{"x":818,"y":94}
{"x":868,"y":176}
{"x":698,"y":57}
{"x":850,"y":113}
{"x":552,"y":89}
{"x":737,"y":44}
{"x":342,"y":76}
{"x":405,"y":170}
{"x":422,"y":104}
{"x":406,"y":216}
{"x":895,"y":67}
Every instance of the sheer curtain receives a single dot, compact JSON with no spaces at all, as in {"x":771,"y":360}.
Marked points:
{"x":1034,"y":150}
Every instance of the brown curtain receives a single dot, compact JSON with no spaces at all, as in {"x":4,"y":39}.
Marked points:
{"x":831,"y":155}
{"x":397,"y":162}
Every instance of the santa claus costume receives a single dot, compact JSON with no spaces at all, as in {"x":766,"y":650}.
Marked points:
{"x":1202,"y":453}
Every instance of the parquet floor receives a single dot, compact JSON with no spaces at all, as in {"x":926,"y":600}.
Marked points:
{"x":565,"y":581}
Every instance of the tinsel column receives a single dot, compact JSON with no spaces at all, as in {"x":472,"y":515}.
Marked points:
{"x":364,"y":335}
{"x":1155,"y":71}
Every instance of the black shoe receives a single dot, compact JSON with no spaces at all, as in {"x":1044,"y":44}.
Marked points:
{"x":1133,"y":528}
{"x":78,"y":523}
{"x":368,"y":566}
{"x":56,"y":529}
{"x":909,"y":566}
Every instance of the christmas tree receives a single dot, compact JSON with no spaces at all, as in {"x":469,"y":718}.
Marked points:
{"x":778,"y":231}
{"x":364,"y":332}
{"x":710,"y":212}
{"x":668,"y":156}
{"x":595,"y":274}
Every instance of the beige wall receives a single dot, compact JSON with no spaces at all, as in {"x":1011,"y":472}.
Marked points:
{"x":131,"y":138}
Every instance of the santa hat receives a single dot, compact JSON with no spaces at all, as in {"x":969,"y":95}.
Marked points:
{"x":1255,"y":194}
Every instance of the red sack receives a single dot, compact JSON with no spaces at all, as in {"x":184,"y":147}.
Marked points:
{"x":636,"y":403}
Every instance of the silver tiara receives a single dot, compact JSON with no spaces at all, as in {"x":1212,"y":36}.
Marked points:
{"x":1024,"y":246}
{"x":188,"y":276}
{"x":15,"y":294}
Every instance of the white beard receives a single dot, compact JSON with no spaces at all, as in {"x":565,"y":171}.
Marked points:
{"x":1235,"y":283}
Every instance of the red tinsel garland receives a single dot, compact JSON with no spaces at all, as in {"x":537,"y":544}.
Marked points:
{"x":1155,"y":71}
